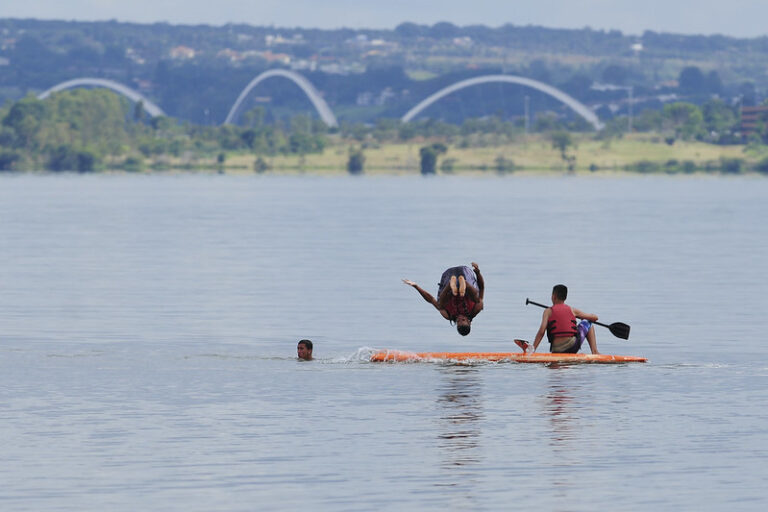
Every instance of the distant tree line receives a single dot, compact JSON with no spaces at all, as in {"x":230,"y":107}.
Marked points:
{"x":85,"y":130}
{"x":714,"y":122}
{"x":80,"y":130}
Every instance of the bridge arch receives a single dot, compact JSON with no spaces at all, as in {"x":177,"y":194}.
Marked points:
{"x":570,"y":101}
{"x":149,"y":107}
{"x":313,"y":94}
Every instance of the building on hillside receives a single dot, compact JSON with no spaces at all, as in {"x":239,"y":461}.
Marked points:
{"x":304,"y":65}
{"x":143,"y":85}
{"x":464,"y":42}
{"x":385,"y":96}
{"x":182,"y":53}
{"x":230,"y":55}
{"x":280,"y":58}
{"x":272,"y":40}
{"x":131,"y":54}
{"x":751,"y":117}
{"x":368,"y":98}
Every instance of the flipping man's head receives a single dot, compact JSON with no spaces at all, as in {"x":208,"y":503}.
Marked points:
{"x":463,"y":324}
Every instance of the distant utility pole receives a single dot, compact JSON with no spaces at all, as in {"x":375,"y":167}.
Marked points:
{"x":629,"y":117}
{"x":525,"y":109}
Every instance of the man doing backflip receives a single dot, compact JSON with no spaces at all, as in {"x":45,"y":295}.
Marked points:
{"x":459,"y":295}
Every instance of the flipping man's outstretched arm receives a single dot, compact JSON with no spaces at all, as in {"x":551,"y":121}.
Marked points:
{"x":427,"y":296}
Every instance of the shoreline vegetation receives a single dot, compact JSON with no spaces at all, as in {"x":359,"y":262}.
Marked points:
{"x":96,"y":130}
{"x":638,"y":153}
{"x":533,"y":153}
{"x":635,"y":154}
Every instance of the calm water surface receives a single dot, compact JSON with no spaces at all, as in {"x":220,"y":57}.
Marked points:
{"x":148,"y":327}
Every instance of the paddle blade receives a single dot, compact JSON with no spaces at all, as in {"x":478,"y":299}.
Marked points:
{"x":620,"y":330}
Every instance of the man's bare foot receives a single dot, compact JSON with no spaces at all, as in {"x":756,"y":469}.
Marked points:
{"x":454,"y":289}
{"x":462,"y":286}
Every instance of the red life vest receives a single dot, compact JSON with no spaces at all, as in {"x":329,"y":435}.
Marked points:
{"x":459,"y":306}
{"x":562,"y":322}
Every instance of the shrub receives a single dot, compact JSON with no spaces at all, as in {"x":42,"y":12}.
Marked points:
{"x":67,"y":158}
{"x":731,"y":165}
{"x":448,"y":165}
{"x":429,"y":156}
{"x":762,"y":166}
{"x":356,"y":162}
{"x":504,"y":164}
{"x":8,"y":160}
{"x":645,"y":166}
{"x":133,"y":164}
{"x":260,"y":165}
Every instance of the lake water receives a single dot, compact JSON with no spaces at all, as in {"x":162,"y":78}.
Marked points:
{"x":148,"y":329}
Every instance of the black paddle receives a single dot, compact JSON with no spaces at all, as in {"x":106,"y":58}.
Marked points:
{"x":618,"y":329}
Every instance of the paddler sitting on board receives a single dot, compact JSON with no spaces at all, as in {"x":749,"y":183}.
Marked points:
{"x":459,"y":295}
{"x":559,"y":323}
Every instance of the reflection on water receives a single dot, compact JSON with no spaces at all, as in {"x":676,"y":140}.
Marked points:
{"x":461,"y":411}
{"x":560,"y":407}
{"x":561,"y":419}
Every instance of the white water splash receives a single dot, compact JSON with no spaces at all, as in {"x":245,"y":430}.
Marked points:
{"x":361,"y":355}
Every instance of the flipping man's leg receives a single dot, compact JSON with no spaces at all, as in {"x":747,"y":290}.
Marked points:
{"x":454,"y":289}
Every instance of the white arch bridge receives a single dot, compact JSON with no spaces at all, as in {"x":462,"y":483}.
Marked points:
{"x":313,"y":94}
{"x":556,"y":93}
{"x":150,"y":108}
{"x":320,"y":105}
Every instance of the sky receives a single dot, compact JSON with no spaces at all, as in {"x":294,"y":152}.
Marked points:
{"x":739,"y":18}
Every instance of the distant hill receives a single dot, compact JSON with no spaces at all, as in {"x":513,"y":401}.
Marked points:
{"x":196,"y":72}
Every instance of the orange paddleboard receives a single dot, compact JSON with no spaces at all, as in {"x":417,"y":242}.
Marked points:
{"x":399,"y":356}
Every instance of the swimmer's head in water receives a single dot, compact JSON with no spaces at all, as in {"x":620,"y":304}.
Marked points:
{"x":304,"y":350}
